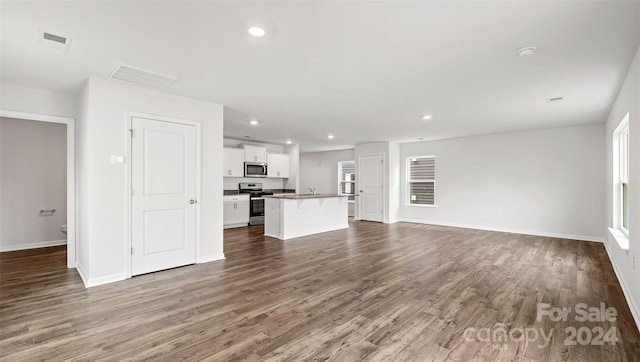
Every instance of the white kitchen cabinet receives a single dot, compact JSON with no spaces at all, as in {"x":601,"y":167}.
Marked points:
{"x":255,"y":154}
{"x":278,"y":165}
{"x":233,"y":161}
{"x":236,"y":211}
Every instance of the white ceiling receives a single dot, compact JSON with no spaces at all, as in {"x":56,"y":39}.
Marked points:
{"x":364,"y":71}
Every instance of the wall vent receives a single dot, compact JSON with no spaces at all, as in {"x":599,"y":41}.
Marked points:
{"x":555,"y":99}
{"x":54,"y":40}
{"x":141,"y":77}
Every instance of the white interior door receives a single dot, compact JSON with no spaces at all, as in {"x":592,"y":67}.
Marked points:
{"x":163,"y":201}
{"x":371,"y":176}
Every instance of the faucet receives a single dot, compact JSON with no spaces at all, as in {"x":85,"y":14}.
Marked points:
{"x":312,"y":191}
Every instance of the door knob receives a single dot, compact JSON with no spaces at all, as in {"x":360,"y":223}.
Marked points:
{"x":192,"y":201}
{"x":360,"y":191}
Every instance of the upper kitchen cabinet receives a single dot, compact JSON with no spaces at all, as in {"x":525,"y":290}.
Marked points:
{"x":255,"y":154}
{"x":233,"y":161}
{"x":278,"y":165}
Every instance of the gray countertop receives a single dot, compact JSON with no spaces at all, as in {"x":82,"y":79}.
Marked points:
{"x":302,"y":196}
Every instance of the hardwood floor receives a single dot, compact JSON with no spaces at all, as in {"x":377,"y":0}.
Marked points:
{"x":372,"y":292}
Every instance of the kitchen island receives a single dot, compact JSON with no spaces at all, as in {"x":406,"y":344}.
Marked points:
{"x":294,"y":215}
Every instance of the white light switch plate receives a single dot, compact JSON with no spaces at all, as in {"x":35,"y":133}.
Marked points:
{"x":118,"y":159}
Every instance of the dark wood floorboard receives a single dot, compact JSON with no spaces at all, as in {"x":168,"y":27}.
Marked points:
{"x":400,"y":292}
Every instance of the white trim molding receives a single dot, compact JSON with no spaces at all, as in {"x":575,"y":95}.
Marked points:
{"x":88,"y":282}
{"x":105,"y":280}
{"x":507,"y":230}
{"x":43,"y":244}
{"x":83,"y":275}
{"x":210,"y":258}
{"x":71,"y":172}
{"x":635,"y":310}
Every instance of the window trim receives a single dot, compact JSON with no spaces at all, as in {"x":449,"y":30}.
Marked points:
{"x":623,"y":177}
{"x":620,"y":178}
{"x":340,"y":181}
{"x":407,"y":201}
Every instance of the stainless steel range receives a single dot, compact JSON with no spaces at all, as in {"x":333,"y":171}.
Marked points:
{"x":256,"y":208}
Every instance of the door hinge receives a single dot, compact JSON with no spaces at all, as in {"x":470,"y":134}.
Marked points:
{"x":131,"y":132}
{"x":132,"y":250}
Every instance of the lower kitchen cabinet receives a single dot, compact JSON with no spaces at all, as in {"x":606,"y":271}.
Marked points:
{"x":236,"y":211}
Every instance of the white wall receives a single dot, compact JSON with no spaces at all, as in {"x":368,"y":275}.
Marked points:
{"x":628,"y":100}
{"x":102,"y":126}
{"x":33,"y":176}
{"x":393,"y":182}
{"x":546,"y":182}
{"x":293,"y":182}
{"x":83,"y":173}
{"x":320,"y":170}
{"x":389,"y":152}
{"x":30,"y":100}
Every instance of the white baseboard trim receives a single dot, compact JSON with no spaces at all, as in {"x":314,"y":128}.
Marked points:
{"x":106,"y":280}
{"x":506,"y":230}
{"x":273,"y":236}
{"x":391,"y":221}
{"x":214,"y":257}
{"x":231,"y":226}
{"x":88,"y":283}
{"x":635,"y":311}
{"x":82,"y":274}
{"x":43,"y":244}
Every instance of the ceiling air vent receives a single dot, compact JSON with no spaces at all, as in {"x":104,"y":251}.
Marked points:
{"x":141,"y":77}
{"x":54,"y":40}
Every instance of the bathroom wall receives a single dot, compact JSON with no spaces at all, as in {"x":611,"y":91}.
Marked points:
{"x":32,"y":177}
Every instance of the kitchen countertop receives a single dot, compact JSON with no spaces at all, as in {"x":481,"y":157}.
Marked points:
{"x":302,"y":196}
{"x":275,"y":191}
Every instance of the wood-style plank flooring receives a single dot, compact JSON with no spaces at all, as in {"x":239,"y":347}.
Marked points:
{"x":401,"y":292}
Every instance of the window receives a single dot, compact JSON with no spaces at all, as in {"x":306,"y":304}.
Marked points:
{"x":421,"y":180}
{"x":620,"y":227}
{"x":624,"y":179}
{"x":347,"y":178}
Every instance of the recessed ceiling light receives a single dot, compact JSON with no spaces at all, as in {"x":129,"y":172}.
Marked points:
{"x":253,"y":122}
{"x":257,"y":31}
{"x":427,"y":117}
{"x":330,"y":136}
{"x":526,"y":52}
{"x":289,"y":142}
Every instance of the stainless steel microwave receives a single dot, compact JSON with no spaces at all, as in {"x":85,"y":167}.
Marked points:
{"x":255,"y":169}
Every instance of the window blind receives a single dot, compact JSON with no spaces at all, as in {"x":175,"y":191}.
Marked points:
{"x":421,"y":180}
{"x":347,"y":178}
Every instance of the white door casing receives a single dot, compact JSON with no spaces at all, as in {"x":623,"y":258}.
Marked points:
{"x":370,"y":179}
{"x":163,"y":201}
{"x":71,"y":174}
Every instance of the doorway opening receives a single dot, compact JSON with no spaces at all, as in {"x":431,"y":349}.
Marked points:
{"x":37,"y":178}
{"x":371,"y":187}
